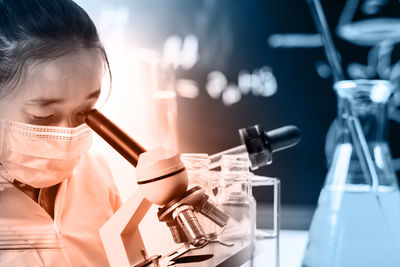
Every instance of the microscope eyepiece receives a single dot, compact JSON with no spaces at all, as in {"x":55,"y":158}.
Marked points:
{"x":113,"y":135}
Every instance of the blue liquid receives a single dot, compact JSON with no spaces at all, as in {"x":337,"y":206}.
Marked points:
{"x":352,"y":228}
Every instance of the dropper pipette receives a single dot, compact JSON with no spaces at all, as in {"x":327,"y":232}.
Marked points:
{"x":260,"y":145}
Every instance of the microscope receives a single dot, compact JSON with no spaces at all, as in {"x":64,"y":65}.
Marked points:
{"x":163,"y":181}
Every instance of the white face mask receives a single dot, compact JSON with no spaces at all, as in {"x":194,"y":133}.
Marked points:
{"x":41,"y":156}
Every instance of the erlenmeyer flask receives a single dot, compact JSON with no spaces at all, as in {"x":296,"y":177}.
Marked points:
{"x":369,"y":22}
{"x":357,"y":220}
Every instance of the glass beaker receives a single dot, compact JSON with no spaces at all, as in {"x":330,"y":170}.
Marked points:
{"x":237,"y":200}
{"x":357,"y":219}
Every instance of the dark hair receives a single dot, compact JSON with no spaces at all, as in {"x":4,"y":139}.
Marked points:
{"x":41,"y":30}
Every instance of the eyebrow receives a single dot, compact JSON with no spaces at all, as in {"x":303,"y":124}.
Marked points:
{"x":45,"y":102}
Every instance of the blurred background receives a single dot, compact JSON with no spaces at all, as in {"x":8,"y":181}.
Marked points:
{"x":189,"y":74}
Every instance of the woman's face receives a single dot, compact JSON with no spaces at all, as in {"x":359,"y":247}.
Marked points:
{"x":58,"y":92}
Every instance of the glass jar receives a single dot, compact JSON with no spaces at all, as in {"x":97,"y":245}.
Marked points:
{"x":196,"y":165}
{"x":237,"y":200}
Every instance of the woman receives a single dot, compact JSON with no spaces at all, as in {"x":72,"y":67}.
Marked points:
{"x":54,"y":194}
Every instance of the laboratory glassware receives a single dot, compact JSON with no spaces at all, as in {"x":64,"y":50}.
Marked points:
{"x":237,"y":200}
{"x":271,"y":225}
{"x":196,"y":165}
{"x":267,"y":232}
{"x":357,"y":219}
{"x":273,"y":231}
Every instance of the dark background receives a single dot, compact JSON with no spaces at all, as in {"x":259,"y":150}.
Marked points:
{"x":233,"y":36}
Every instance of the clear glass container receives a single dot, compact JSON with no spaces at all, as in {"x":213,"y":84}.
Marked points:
{"x":196,"y":165}
{"x":357,"y":219}
{"x":268,"y":223}
{"x":236,"y":199}
{"x":270,"y":227}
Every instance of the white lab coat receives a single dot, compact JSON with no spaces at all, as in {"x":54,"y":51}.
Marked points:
{"x":84,"y":202}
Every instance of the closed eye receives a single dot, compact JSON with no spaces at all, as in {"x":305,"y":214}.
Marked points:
{"x":41,"y":120}
{"x":42,"y":117}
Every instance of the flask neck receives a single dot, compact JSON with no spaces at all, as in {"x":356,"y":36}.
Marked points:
{"x":368,"y":101}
